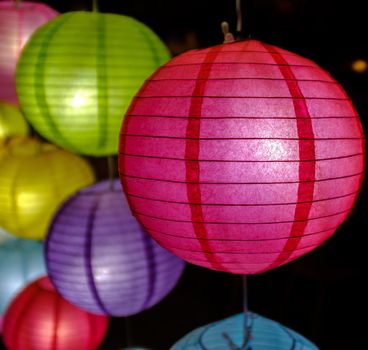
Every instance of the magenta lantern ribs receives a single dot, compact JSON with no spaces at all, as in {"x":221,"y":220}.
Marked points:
{"x":18,"y":21}
{"x":241,"y":157}
{"x":101,"y":260}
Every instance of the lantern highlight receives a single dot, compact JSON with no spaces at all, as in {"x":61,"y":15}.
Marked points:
{"x":12,"y":122}
{"x":78,"y":75}
{"x":17,"y":24}
{"x":241,"y":157}
{"x":265,"y":335}
{"x":100,"y":259}
{"x":21,"y":262}
{"x":39,"y":318}
{"x":35,"y":178}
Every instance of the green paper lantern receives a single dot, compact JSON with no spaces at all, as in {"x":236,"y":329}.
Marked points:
{"x":78,"y":74}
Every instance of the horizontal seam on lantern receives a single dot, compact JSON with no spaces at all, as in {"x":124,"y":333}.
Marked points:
{"x":245,"y":138}
{"x":243,"y":223}
{"x":249,"y":97}
{"x":169,"y":247}
{"x":230,"y":117}
{"x":241,"y":240}
{"x":242,"y":161}
{"x":241,"y":263}
{"x":242,"y":183}
{"x":242,"y":63}
{"x":195,"y":53}
{"x":232,"y":79}
{"x":244,"y":205}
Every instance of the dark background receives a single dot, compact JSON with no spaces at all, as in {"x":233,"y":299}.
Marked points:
{"x":322,"y":295}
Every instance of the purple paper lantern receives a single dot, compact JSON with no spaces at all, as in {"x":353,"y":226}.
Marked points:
{"x":100,"y":259}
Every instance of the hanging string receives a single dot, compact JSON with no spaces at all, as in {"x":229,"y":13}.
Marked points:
{"x":95,"y":6}
{"x":247,"y":333}
{"x":111,"y":170}
{"x":128,"y":337}
{"x":228,"y":37}
{"x":239,"y":16}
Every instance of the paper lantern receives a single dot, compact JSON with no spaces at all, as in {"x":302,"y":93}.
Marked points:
{"x":78,"y":74}
{"x":12,"y":122}
{"x":241,"y":157}
{"x":17,"y":23}
{"x":39,"y":318}
{"x":265,"y":335}
{"x":100,"y":259}
{"x":35,"y":178}
{"x":21,"y":261}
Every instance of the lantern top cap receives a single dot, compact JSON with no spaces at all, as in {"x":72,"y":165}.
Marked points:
{"x":106,"y":186}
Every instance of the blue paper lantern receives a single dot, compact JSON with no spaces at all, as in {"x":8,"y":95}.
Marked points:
{"x":21,"y":261}
{"x":229,"y":334}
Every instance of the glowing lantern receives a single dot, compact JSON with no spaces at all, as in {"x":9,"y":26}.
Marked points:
{"x":78,"y":74}
{"x":241,"y":157}
{"x":39,"y":318}
{"x":265,"y":335}
{"x":17,"y":24}
{"x":34,"y":179}
{"x":100,"y":259}
{"x":21,"y":261}
{"x":12,"y":122}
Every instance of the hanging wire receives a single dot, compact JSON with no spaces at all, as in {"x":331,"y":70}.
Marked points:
{"x":95,"y":5}
{"x":239,"y":16}
{"x":247,"y":327}
{"x":111,"y":170}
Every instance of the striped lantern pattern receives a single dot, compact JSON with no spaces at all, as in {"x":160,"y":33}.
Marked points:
{"x":21,"y":262}
{"x":39,"y":318}
{"x":101,"y":260}
{"x":12,"y":122}
{"x":35,"y":178}
{"x":241,"y":157}
{"x":265,"y":335}
{"x":17,"y":24}
{"x":78,"y":74}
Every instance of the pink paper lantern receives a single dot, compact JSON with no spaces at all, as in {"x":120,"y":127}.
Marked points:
{"x":241,"y":157}
{"x":17,"y":24}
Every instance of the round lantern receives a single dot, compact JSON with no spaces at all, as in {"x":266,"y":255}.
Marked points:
{"x":39,"y":318}
{"x":100,"y":259}
{"x":34,"y":179}
{"x":21,"y":261}
{"x":265,"y":335}
{"x":17,"y":23}
{"x":78,"y":74}
{"x":241,"y":157}
{"x":12,"y":122}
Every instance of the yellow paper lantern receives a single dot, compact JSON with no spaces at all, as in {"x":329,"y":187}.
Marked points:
{"x":35,"y":178}
{"x":12,"y":122}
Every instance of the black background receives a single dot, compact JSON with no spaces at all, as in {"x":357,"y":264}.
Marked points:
{"x":322,"y":295}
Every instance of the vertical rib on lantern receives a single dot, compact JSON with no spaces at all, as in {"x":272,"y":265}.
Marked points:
{"x":265,"y":335}
{"x":100,"y":259}
{"x":39,"y":318}
{"x":17,"y":24}
{"x":241,"y":157}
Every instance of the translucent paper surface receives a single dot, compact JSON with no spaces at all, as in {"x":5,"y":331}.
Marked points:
{"x":12,"y":122}
{"x":17,"y":23}
{"x":35,"y":178}
{"x":38,"y":318}
{"x":265,"y":335}
{"x":77,"y":76}
{"x":100,"y":259}
{"x":241,"y":157}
